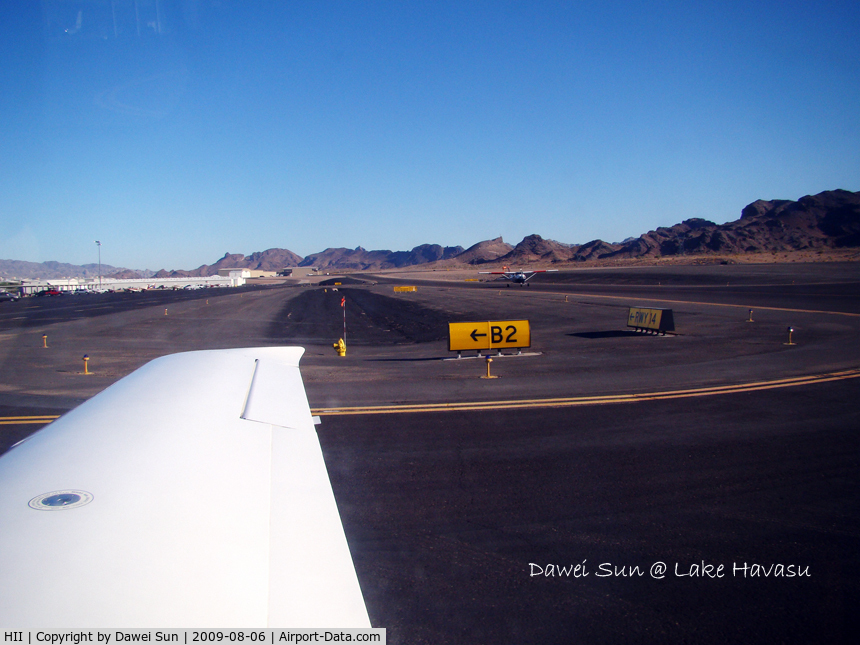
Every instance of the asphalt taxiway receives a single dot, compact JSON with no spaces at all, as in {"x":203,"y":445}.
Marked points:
{"x":718,"y":445}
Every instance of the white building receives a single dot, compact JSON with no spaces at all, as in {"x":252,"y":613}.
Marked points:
{"x":234,"y":278}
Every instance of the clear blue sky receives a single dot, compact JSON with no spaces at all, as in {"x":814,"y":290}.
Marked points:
{"x":305,"y":125}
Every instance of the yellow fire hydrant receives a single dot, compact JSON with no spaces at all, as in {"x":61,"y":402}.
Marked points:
{"x":340,"y":347}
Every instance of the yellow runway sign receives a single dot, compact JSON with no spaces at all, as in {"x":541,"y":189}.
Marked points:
{"x":653,"y":319}
{"x":488,"y":335}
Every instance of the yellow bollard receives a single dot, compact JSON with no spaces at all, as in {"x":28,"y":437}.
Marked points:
{"x":790,"y":330}
{"x":750,"y":318}
{"x":45,"y":340}
{"x":86,"y":366}
{"x":165,"y":312}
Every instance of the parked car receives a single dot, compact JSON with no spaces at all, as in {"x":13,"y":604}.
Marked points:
{"x":50,"y":292}
{"x":5,"y":296}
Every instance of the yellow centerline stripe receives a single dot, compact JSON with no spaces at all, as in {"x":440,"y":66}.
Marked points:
{"x":590,"y":400}
{"x":705,"y":304}
{"x":542,"y":403}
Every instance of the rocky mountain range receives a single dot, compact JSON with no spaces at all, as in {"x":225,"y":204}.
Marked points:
{"x":363,"y":260}
{"x":828,"y":220}
{"x":271,"y":260}
{"x":52,"y":269}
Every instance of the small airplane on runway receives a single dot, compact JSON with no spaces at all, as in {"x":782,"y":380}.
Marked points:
{"x":518,"y":277}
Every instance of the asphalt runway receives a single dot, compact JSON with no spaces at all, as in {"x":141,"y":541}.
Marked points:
{"x":445,"y":512}
{"x":720,"y":445}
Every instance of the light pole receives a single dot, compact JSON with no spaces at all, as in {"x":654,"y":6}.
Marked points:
{"x":99,"y":244}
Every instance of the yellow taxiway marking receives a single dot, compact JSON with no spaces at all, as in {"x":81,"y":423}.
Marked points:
{"x":543,"y":403}
{"x":14,"y":421}
{"x":591,"y":400}
{"x":707,"y":304}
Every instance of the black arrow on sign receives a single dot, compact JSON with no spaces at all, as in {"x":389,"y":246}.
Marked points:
{"x":475,"y":335}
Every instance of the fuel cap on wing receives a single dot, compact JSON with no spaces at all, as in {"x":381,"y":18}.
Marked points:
{"x":61,"y":500}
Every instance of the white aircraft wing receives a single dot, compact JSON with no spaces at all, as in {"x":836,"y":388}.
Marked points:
{"x":192,"y":493}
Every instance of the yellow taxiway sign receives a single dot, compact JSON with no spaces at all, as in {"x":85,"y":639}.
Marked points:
{"x":488,"y":335}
